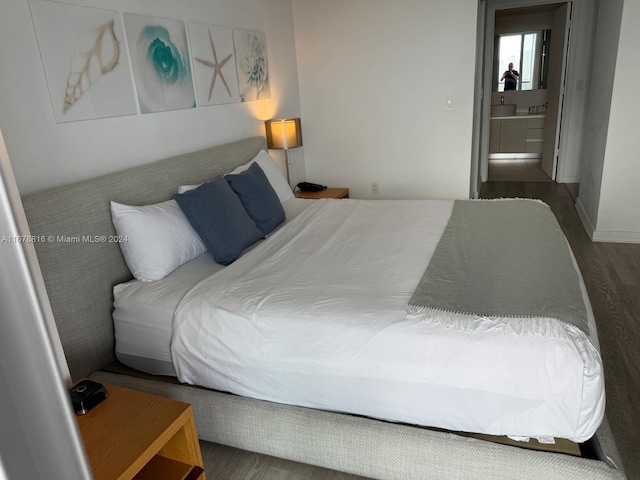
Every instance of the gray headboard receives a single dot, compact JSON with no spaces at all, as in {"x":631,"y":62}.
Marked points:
{"x":80,"y":274}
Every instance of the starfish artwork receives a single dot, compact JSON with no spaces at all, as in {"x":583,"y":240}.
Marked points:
{"x":217,"y":67}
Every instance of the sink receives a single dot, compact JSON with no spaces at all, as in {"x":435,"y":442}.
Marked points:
{"x":503,"y":110}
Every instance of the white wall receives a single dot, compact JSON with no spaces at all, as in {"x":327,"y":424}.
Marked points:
{"x":618,"y":217}
{"x":374,"y":75}
{"x":577,"y":83}
{"x":46,"y":154}
{"x":598,"y":111}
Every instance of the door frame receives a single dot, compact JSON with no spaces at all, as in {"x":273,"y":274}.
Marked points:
{"x":550,"y":165}
{"x":484,"y":69}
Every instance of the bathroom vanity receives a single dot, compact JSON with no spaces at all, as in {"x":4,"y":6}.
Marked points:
{"x":517,"y":134}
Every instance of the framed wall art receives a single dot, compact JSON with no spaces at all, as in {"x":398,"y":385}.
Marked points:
{"x":160,"y":60}
{"x":251,"y":65}
{"x":84,"y":61}
{"x":214,"y":64}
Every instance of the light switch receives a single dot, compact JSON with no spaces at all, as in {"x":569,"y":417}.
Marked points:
{"x":449,"y":102}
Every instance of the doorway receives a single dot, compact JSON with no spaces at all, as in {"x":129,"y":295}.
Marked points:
{"x":524,"y":144}
{"x":576,"y":33}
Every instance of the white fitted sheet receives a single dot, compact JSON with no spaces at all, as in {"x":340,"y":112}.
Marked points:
{"x":143,"y":311}
{"x":143,"y":315}
{"x":315,"y":316}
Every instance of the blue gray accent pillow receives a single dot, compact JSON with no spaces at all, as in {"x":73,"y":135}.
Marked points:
{"x":217,"y":215}
{"x":258,"y":197}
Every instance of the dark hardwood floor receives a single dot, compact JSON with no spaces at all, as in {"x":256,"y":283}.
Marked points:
{"x":612,"y":277}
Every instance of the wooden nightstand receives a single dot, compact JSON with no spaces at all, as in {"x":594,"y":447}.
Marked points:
{"x":133,"y":434}
{"x":326,"y":193}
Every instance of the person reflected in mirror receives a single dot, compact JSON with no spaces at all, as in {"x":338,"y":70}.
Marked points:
{"x":510,"y":78}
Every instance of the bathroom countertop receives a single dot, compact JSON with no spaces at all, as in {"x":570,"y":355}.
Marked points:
{"x":518,"y":116}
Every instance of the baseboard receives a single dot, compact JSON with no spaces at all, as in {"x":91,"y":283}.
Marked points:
{"x":615,"y":237}
{"x":586,"y":221}
{"x":568,"y":179}
{"x":606,"y":236}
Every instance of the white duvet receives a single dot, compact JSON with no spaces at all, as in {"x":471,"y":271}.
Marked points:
{"x":315,"y":316}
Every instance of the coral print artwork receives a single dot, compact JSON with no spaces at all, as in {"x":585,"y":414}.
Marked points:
{"x":83,"y":58}
{"x":160,"y":60}
{"x":251,"y":65}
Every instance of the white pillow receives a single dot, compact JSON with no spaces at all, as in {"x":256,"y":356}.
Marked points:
{"x":186,"y":188}
{"x":273,"y":173}
{"x":157,"y":238}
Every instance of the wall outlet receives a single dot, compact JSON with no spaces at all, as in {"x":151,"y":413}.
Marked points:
{"x":374,"y":188}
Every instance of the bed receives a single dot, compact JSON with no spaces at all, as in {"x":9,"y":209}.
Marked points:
{"x":369,"y":440}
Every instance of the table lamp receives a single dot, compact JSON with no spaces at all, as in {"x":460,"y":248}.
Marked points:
{"x":283,"y":134}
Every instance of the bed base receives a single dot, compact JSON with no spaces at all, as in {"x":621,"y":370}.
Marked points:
{"x":80,"y":277}
{"x":359,"y":445}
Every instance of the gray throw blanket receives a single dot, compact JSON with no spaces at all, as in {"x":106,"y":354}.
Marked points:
{"x":503,"y":262}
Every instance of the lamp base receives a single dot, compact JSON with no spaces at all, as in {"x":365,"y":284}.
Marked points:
{"x":286,"y":162}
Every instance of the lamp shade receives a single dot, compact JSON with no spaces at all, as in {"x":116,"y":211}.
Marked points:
{"x":283,"y":133}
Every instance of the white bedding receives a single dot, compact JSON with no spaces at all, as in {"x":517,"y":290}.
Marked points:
{"x":315,"y":316}
{"x":143,"y":311}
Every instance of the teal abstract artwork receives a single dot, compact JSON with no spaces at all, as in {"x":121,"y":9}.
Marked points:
{"x":160,"y":59}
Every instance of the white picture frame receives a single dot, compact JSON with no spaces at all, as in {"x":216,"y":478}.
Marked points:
{"x":84,"y":60}
{"x":214,"y":65}
{"x":252,"y":65}
{"x":159,"y":55}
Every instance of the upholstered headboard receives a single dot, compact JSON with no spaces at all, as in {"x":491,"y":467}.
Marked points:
{"x":80,"y":268}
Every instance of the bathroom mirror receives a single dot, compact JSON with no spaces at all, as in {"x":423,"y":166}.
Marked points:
{"x":528,"y":52}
